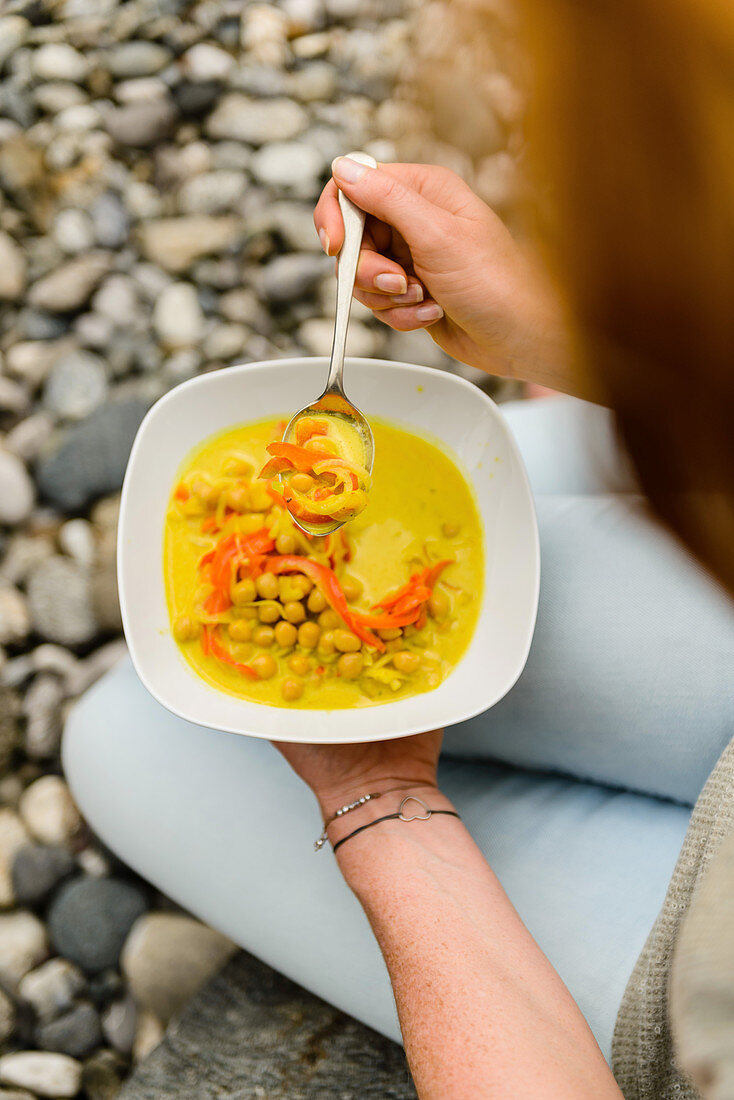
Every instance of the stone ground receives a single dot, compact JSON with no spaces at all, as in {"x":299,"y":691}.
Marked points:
{"x":159,"y":162}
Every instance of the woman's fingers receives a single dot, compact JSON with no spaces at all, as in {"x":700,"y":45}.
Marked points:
{"x":413,"y":296}
{"x":380,"y":193}
{"x":404,"y":318}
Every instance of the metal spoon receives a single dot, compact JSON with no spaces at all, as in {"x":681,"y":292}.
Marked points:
{"x":333,"y":400}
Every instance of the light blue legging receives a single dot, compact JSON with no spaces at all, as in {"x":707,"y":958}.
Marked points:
{"x":629,"y":685}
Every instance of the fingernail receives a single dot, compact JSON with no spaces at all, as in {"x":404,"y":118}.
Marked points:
{"x":431,"y":312}
{"x":344,"y":168}
{"x":413,"y":294}
{"x":325,"y":242}
{"x":391,"y":283}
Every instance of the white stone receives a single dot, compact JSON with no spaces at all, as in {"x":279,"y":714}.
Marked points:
{"x":265,"y":34}
{"x":148,"y":1035}
{"x":7,"y":1018}
{"x":143,"y":89}
{"x":31,"y":360}
{"x":76,"y":538}
{"x":73,"y":230}
{"x":14,"y":397}
{"x":80,"y":116}
{"x":137,"y":58}
{"x":54,"y":97}
{"x":16,"y":489}
{"x":117,"y":300}
{"x":52,"y":987}
{"x":175,"y":243}
{"x":46,"y":1074}
{"x":256,"y":121}
{"x":15,"y":622}
{"x":12,"y":269}
{"x":288,"y":164}
{"x":28,"y":438}
{"x":23,"y":554}
{"x":13,"y":33}
{"x":59,"y":61}
{"x":49,"y":811}
{"x":68,"y":287}
{"x":316,"y":335}
{"x":23,"y":945}
{"x":207,"y":62}
{"x":13,"y":835}
{"x":76,"y":385}
{"x":211,"y":192}
{"x":177,"y":316}
{"x":226,"y":341}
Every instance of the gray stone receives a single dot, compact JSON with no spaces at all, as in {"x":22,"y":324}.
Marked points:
{"x":52,"y":988}
{"x":7,"y":1019}
{"x":12,"y":269}
{"x":152,"y":960}
{"x":255,"y":1028}
{"x":60,"y":61}
{"x":16,"y":489}
{"x":142,"y":124}
{"x":110,"y":220}
{"x":137,"y":58}
{"x":177,"y":317}
{"x":291,"y":164}
{"x":70,"y":286}
{"x":13,"y":836}
{"x":211,"y":192}
{"x":117,"y":300}
{"x":73,"y":230}
{"x":196,"y":99}
{"x":46,"y":1074}
{"x":60,"y":602}
{"x":42,"y":710}
{"x":77,"y":1032}
{"x":256,"y":122}
{"x":175,"y":243}
{"x":89,"y":920}
{"x":15,"y":621}
{"x":90,"y":459}
{"x":293,"y":276}
{"x":14,"y":398}
{"x":76,"y":385}
{"x":34,"y":324}
{"x":48,"y":810}
{"x":37,"y":871}
{"x":23,"y":945}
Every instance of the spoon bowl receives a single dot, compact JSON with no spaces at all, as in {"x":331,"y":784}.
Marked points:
{"x":333,"y":401}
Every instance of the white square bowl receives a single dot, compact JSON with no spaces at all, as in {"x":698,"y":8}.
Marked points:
{"x":431,"y":401}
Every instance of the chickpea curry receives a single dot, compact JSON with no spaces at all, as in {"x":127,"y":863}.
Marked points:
{"x":381,"y":609}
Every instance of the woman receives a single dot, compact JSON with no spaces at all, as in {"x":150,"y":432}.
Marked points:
{"x":644,"y":245}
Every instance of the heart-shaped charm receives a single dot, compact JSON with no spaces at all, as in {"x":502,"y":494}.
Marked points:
{"x":415,"y":817}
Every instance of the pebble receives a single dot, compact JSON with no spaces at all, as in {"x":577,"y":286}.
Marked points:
{"x":52,"y":988}
{"x":71,"y":285}
{"x":226,"y":341}
{"x":204,"y":62}
{"x":60,"y":599}
{"x":142,"y":124}
{"x":90,"y":459}
{"x":59,"y":61}
{"x":76,"y":538}
{"x":293,"y":276}
{"x":14,"y":397}
{"x":137,"y":58}
{"x":15,"y":621}
{"x":44,"y":1073}
{"x":117,"y":301}
{"x":175,"y":243}
{"x":316,"y":334}
{"x":23,"y":945}
{"x":149,"y":1034}
{"x":151,"y":960}
{"x":103,"y":1074}
{"x":7,"y":1018}
{"x":77,"y":384}
{"x":119,"y":1024}
{"x":13,"y":836}
{"x":77,"y":1032}
{"x":24,"y":553}
{"x":49,"y":812}
{"x":17,"y":493}
{"x":13,"y":33}
{"x":12,"y":269}
{"x":37,"y":870}
{"x":73,"y":230}
{"x":177,"y":317}
{"x":291,"y":164}
{"x":34,"y":324}
{"x":89,"y":920}
{"x":110,"y":220}
{"x":42,"y":711}
{"x":240,"y":118}
{"x":212,"y":192}
{"x":31,"y":360}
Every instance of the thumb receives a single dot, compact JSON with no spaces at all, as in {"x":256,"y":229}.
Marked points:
{"x":379,"y":193}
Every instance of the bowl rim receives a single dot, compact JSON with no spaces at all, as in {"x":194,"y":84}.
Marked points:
{"x":201,"y":381}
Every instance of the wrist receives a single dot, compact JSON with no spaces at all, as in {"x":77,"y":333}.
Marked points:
{"x":332,"y":798}
{"x":386,"y":805}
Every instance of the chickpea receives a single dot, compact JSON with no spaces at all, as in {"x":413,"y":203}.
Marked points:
{"x":292,"y":690}
{"x":346,"y":642}
{"x":243,"y":592}
{"x":326,"y":644}
{"x":450,"y":530}
{"x":439,"y":604}
{"x":269,"y":611}
{"x":185,"y":629}
{"x":266,"y":586}
{"x":259,"y":499}
{"x":264,"y":665}
{"x":352,"y":588}
{"x":285,"y":544}
{"x":263,"y":635}
{"x":389,"y":634}
{"x":302,"y":585}
{"x":321,"y":444}
{"x":285,"y":634}
{"x":249,"y":612}
{"x":406,"y":661}
{"x":302,"y":482}
{"x":251,"y":523}
{"x":206,"y":493}
{"x":349,"y":665}
{"x":316,"y":601}
{"x":329,"y":620}
{"x":238,"y":498}
{"x":299,"y":664}
{"x":294,"y":611}
{"x":394,"y":646}
{"x":240,"y":630}
{"x":308,"y":635}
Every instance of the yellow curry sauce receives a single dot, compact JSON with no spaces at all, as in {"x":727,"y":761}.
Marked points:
{"x":379,"y":610}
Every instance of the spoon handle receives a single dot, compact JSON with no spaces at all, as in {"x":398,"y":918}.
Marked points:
{"x":346,"y":270}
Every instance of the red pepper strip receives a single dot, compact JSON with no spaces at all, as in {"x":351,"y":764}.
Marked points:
{"x":422,"y":619}
{"x":301,"y":458}
{"x":206,"y":559}
{"x":210,"y":524}
{"x":274,"y":467}
{"x":296,"y":509}
{"x":232,"y":549}
{"x":215,"y":647}
{"x":216,"y":602}
{"x":273,"y":492}
{"x":432,"y":574}
{"x":182,"y":492}
{"x":327,"y":582}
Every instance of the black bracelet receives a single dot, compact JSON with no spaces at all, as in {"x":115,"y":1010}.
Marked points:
{"x":399,"y":816}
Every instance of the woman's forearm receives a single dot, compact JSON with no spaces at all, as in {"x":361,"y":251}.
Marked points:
{"x":483,"y":1013}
